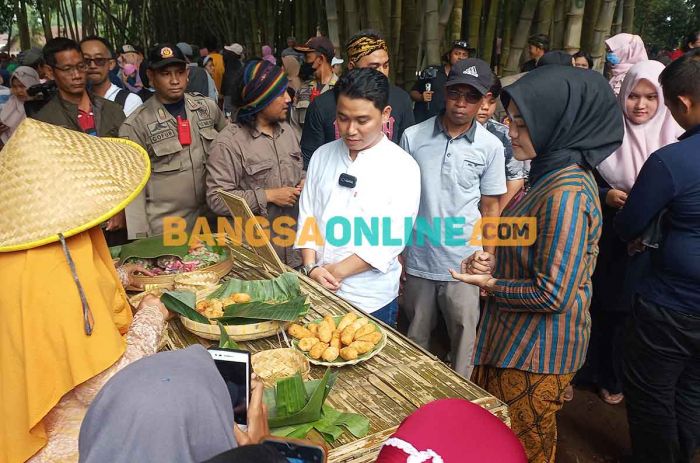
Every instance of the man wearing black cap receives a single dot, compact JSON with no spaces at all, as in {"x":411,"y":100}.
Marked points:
{"x":429,"y":93}
{"x":318,"y":54}
{"x":176,"y":128}
{"x":538,"y":45}
{"x":462,"y":176}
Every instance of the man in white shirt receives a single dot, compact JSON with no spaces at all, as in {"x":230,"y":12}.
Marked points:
{"x":362,"y":192}
{"x":99,"y":57}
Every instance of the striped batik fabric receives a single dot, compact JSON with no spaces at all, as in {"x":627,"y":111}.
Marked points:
{"x":537,"y":317}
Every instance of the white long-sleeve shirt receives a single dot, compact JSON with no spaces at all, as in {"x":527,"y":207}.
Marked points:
{"x":387,"y":191}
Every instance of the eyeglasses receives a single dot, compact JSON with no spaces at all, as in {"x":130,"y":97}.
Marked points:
{"x":98,"y":61}
{"x":470,"y":97}
{"x":79,"y":68}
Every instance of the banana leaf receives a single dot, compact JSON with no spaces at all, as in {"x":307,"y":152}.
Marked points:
{"x":316,"y":391}
{"x":225,"y":340}
{"x":183,"y":302}
{"x":148,"y":248}
{"x":115,"y":251}
{"x":282,"y":288}
{"x":286,"y":311}
{"x":152,"y":247}
{"x":330,"y":426}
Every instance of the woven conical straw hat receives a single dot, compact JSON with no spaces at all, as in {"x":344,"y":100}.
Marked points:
{"x":59,"y":181}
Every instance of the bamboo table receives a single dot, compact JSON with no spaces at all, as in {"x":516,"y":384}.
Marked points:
{"x":385,"y":389}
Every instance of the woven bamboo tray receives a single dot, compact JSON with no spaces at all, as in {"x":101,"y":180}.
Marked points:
{"x":236,"y":332}
{"x":221,"y":269}
{"x":275,"y":364}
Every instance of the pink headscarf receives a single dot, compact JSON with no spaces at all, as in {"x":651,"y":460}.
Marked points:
{"x":630,"y":49}
{"x":267,"y":54}
{"x":620,"y":169}
{"x":452,"y":431}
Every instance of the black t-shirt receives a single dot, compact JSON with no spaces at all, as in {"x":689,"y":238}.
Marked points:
{"x":320,"y":127}
{"x":424,"y":111}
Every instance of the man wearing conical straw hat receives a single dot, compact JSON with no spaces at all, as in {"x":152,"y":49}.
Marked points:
{"x":66,"y":326}
{"x":176,"y":128}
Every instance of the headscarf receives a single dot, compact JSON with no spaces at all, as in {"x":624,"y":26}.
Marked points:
{"x":630,"y":50}
{"x":44,"y":351}
{"x":452,"y":430}
{"x":621,"y":169}
{"x":571,"y":114}
{"x":262,"y":83}
{"x":363,"y":46}
{"x":559,"y":57}
{"x":267,"y":55}
{"x":12,"y":113}
{"x":172,"y":406}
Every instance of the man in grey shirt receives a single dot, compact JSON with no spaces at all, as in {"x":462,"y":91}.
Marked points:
{"x":462,"y":176}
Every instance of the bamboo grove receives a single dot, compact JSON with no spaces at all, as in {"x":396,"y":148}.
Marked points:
{"x":418,"y":31}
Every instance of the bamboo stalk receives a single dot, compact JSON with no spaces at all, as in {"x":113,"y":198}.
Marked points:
{"x":374,"y":15}
{"x":574,"y":25}
{"x":432,"y":40}
{"x":617,"y":21}
{"x":545,"y":13}
{"x":475,"y":9}
{"x":332,"y":18}
{"x":507,"y":33}
{"x":628,"y":15}
{"x":601,"y":32}
{"x":456,"y":26}
{"x":559,"y":28}
{"x":590,"y":17}
{"x":410,"y":34}
{"x":490,"y":36}
{"x":520,"y":37}
{"x":444,"y":15}
{"x":352,"y":20}
{"x":396,"y":51}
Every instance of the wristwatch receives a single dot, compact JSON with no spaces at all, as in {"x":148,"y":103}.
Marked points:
{"x":307,"y":269}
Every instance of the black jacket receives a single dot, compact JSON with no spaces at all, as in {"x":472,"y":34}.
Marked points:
{"x":320,"y":127}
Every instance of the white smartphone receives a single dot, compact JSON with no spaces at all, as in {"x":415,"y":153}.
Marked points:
{"x":234,"y":366}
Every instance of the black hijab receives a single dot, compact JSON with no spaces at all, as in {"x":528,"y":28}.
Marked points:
{"x":559,"y":57}
{"x":572,"y":116}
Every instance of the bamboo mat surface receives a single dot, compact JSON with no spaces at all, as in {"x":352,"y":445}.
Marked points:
{"x":385,"y":388}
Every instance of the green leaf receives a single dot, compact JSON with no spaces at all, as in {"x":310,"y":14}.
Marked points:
{"x":152,"y":247}
{"x":298,"y":431}
{"x":311,"y":411}
{"x":225,"y":340}
{"x":183,"y":302}
{"x":286,"y":311}
{"x":282,"y":288}
{"x":115,"y":251}
{"x":357,"y":425}
{"x":291,"y":395}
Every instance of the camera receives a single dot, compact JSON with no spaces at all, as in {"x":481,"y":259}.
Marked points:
{"x":428,"y":73}
{"x":42,"y":91}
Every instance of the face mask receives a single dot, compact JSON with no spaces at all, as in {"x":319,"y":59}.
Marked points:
{"x":129,"y":69}
{"x":306,"y":71}
{"x":612,"y":58}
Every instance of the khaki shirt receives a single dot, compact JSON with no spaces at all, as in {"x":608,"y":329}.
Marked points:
{"x":246,"y":162}
{"x":178,"y":173}
{"x":302,"y":100}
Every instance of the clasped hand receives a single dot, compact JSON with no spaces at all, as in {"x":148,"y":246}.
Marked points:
{"x":476,"y":269}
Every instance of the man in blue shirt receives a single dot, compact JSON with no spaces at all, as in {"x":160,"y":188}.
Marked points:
{"x":662,"y":345}
{"x":462,"y":176}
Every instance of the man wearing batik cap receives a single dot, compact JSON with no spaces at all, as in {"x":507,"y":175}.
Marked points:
{"x":366,"y":49}
{"x":176,"y":128}
{"x":462,"y":168}
{"x":318,"y":54}
{"x":258,"y":157}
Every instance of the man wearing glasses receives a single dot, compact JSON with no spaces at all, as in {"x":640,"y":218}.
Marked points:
{"x":428,"y":93}
{"x":73,"y":107}
{"x":462,"y":177}
{"x":98,"y":55}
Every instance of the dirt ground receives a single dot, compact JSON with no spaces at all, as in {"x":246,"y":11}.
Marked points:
{"x":591,"y":430}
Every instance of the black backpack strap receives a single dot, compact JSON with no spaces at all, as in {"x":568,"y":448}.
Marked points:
{"x":121,"y":97}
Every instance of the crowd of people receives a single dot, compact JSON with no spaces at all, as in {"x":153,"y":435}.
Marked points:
{"x":607,"y":294}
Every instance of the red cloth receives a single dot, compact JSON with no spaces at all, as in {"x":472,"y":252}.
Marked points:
{"x":459,"y":432}
{"x":86,"y":120}
{"x":675,"y":54}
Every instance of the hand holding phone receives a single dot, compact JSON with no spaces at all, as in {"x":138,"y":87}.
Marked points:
{"x":257,"y":417}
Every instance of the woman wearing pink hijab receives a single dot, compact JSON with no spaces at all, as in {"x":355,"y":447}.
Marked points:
{"x":648,"y":127}
{"x":624,"y":51}
{"x":267,"y":55}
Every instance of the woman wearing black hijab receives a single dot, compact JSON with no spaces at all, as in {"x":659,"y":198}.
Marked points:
{"x":535,"y":327}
